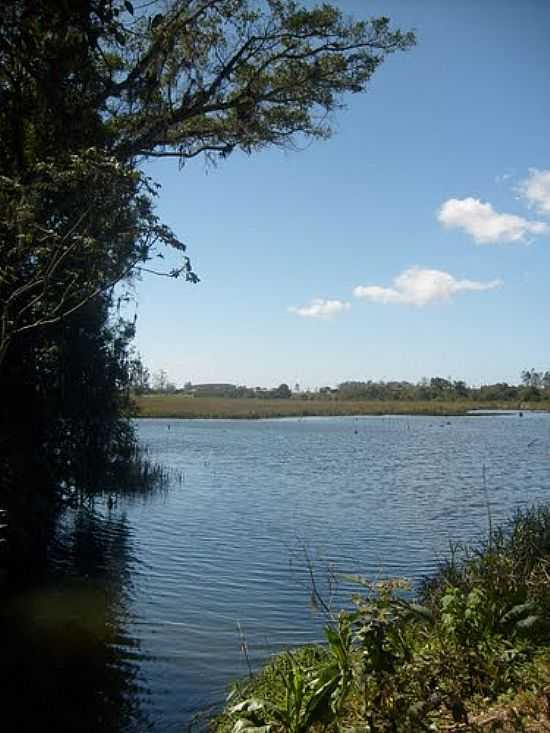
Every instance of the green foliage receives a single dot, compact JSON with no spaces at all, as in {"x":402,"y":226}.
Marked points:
{"x":88,"y":88}
{"x":209,"y":77}
{"x":305,"y":689}
{"x":396,"y":664}
{"x":282,"y":392}
{"x":512,"y":567}
{"x":89,"y":224}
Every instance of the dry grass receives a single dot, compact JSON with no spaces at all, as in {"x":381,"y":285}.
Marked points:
{"x":182,"y":406}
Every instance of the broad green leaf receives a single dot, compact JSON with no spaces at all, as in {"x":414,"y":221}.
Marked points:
{"x":527,"y":623}
{"x":518,"y":611}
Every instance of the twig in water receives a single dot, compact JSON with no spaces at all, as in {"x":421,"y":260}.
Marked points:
{"x":244,"y":648}
{"x":317,"y":600}
{"x":488,"y":504}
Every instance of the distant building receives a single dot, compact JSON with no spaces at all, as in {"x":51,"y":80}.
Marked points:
{"x":214,"y":388}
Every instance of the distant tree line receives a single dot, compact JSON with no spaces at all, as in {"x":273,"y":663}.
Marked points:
{"x":439,"y":388}
{"x":533,"y":386}
{"x":143,"y":382}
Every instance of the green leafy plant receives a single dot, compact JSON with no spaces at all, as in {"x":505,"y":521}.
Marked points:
{"x":312,"y":693}
{"x":475,"y":639}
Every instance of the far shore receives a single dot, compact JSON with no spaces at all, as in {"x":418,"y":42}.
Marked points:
{"x":182,"y":406}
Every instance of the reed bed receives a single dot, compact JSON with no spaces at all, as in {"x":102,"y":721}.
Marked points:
{"x":182,"y":406}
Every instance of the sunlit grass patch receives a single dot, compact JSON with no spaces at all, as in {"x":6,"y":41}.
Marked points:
{"x":183,"y":406}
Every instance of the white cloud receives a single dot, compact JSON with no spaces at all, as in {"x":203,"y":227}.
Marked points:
{"x":536,"y":190}
{"x":485,"y":224}
{"x":320,"y":308}
{"x":417,"y":286}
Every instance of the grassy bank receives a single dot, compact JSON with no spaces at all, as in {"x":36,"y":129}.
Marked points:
{"x":470,"y":653}
{"x":181,"y":406}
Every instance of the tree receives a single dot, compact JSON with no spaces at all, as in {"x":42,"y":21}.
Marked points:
{"x":75,"y":220}
{"x":70,"y":231}
{"x":209,"y":76}
{"x":139,"y":376}
{"x":440,"y":386}
{"x":531,"y":378}
{"x":161,"y":383}
{"x":282,"y":392}
{"x":460,"y":388}
{"x":87,"y":90}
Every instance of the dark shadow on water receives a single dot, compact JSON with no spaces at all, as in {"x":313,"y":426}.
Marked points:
{"x":67,"y":662}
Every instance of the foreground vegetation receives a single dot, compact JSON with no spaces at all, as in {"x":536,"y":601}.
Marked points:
{"x":181,"y":406}
{"x":472,"y":652}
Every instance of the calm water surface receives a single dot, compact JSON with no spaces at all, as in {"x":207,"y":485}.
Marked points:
{"x":162,"y":585}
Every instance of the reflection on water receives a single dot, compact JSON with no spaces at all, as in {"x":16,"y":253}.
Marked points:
{"x":67,"y":661}
{"x":137,"y":624}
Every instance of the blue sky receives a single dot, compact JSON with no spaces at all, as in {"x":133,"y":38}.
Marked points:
{"x":415,"y":242}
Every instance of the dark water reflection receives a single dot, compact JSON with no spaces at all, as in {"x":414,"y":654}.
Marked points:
{"x":136,"y":626}
{"x":67,"y":661}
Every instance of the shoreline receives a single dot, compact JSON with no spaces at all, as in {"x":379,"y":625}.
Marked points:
{"x":469,"y":649}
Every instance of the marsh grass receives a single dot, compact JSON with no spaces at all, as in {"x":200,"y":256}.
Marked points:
{"x":182,"y":406}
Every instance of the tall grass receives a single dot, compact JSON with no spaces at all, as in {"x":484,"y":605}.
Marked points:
{"x":512,"y":565}
{"x":181,"y":406}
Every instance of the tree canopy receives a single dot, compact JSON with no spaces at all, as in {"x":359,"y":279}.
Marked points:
{"x":209,"y":76}
{"x":88,"y":90}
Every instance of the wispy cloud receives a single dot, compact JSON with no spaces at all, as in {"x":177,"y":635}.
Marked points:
{"x":535,"y":189}
{"x":320,"y":308}
{"x":504,"y":177}
{"x":417,"y":286}
{"x":485,"y":224}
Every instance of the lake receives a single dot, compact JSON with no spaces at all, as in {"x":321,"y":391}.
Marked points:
{"x":149,"y":602}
